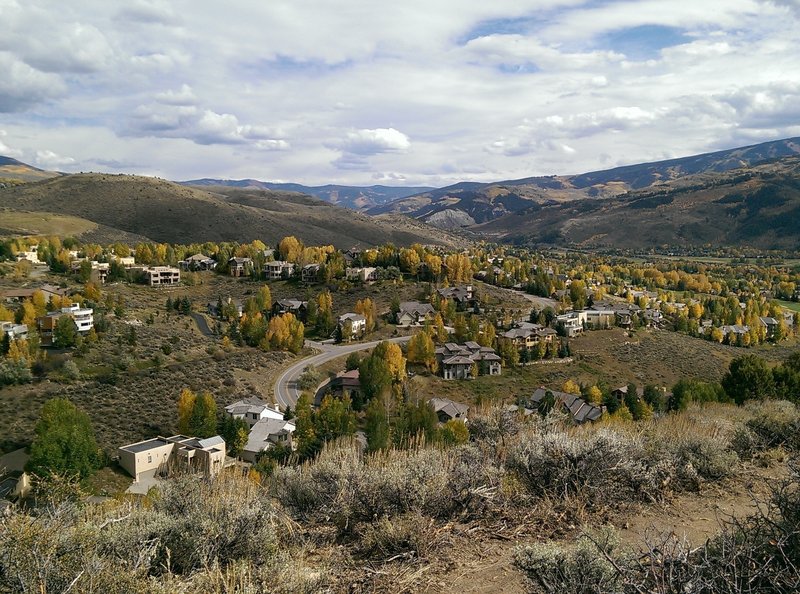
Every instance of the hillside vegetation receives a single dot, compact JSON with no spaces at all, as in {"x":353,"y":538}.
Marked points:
{"x":163,"y":211}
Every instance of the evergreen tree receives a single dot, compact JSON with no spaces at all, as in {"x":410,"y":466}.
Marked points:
{"x":376,"y":425}
{"x":64,"y":442}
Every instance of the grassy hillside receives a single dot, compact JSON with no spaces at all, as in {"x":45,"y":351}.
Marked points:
{"x":167,"y":212}
{"x":12,"y":170}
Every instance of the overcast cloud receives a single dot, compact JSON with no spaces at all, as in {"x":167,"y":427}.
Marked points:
{"x":412,"y":92}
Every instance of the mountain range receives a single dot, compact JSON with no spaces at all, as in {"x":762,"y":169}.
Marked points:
{"x":472,"y":204}
{"x":353,"y":197}
{"x":744,"y":196}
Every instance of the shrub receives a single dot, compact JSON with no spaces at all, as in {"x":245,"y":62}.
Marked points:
{"x":775,"y":423}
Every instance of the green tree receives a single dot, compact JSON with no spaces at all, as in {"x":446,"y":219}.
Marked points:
{"x":375,"y":377}
{"x":64,"y":442}
{"x":748,"y":378}
{"x":235,"y":433}
{"x":376,"y":425}
{"x":65,"y":333}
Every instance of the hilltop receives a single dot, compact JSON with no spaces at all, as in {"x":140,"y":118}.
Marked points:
{"x":12,"y":171}
{"x":352,"y":197}
{"x":137,"y":208}
{"x":470,"y":204}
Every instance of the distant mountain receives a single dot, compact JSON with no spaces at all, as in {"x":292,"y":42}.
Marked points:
{"x":756,"y":206}
{"x":134,"y":208}
{"x":352,"y":197}
{"x":469,"y":204}
{"x":12,"y":170}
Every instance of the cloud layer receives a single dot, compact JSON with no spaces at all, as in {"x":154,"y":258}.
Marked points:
{"x":413,"y":93}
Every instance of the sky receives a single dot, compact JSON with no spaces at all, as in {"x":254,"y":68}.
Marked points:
{"x":416,"y":92}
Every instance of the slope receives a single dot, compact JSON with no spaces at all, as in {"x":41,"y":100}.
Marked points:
{"x":755,"y":206}
{"x":353,"y":197}
{"x":167,"y":212}
{"x":12,"y":170}
{"x":466,"y":204}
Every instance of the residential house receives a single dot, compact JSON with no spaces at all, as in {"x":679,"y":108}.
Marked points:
{"x":528,"y":336}
{"x":240,"y":266}
{"x":100,"y":270}
{"x":462,"y":295}
{"x":278,"y":269}
{"x":771,"y":326}
{"x":309,"y":274}
{"x":265,"y":434}
{"x":622,"y":392}
{"x":14,"y":331}
{"x":580,"y":410}
{"x":352,"y":255}
{"x":162,"y":276}
{"x":414,"y":313}
{"x":253,"y":410}
{"x":344,"y":381}
{"x":573,"y":323}
{"x":125,"y":261}
{"x":447,"y":410}
{"x":198,"y":262}
{"x":156,"y":455}
{"x":83,"y":317}
{"x":293,"y":306}
{"x":456,"y":361}
{"x":364,"y":275}
{"x":358,"y":325}
{"x":734,"y":333}
{"x":31,"y":255}
{"x":214,"y":307}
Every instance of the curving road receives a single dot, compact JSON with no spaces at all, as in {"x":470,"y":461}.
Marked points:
{"x":285,"y":389}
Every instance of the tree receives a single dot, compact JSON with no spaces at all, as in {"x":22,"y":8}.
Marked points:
{"x":376,"y":425}
{"x":395,"y":361}
{"x":454,"y":432}
{"x":422,"y":350}
{"x":748,"y":378}
{"x":235,"y":433}
{"x":366,"y":307}
{"x":375,"y":377}
{"x":64,"y":442}
{"x":305,"y":433}
{"x":571,"y":387}
{"x":352,"y":362}
{"x":203,"y":419}
{"x":186,"y":402}
{"x":65,"y":333}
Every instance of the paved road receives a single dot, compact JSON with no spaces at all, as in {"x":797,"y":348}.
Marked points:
{"x":285,"y":390}
{"x":202,"y":323}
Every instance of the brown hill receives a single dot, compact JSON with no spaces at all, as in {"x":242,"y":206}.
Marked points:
{"x":143,"y":207}
{"x":12,"y":170}
{"x":755,"y":206}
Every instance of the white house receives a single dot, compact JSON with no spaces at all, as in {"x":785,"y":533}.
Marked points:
{"x":278,"y":269}
{"x":358,"y":324}
{"x":265,"y":434}
{"x":253,"y":410}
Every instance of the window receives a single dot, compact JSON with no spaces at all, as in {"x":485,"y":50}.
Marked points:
{"x":149,"y":458}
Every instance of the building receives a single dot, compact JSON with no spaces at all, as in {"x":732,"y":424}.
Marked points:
{"x":198,"y":262}
{"x":293,"y":306}
{"x":580,"y":410}
{"x":14,"y":331}
{"x":162,"y":276}
{"x":771,"y":327}
{"x":83,"y":317}
{"x":528,"y":336}
{"x":309,"y":274}
{"x":215,"y":310}
{"x":364,"y":275}
{"x":252,"y":410}
{"x":344,"y":381}
{"x":240,"y":266}
{"x":358,"y":325}
{"x":266,"y":433}
{"x":447,"y":410}
{"x":456,"y":361}
{"x":158,"y":454}
{"x":31,"y":255}
{"x":278,"y":269}
{"x":463,"y":295}
{"x":100,"y":270}
{"x":414,"y":313}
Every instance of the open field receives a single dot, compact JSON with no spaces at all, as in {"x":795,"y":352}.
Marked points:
{"x":792,"y":305}
{"x":43,"y":223}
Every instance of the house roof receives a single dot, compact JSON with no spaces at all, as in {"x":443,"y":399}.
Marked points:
{"x":353,"y":317}
{"x":580,"y":410}
{"x":415,"y":307}
{"x":458,"y":360}
{"x":258,"y":438}
{"x":291,"y":303}
{"x":449,"y":407}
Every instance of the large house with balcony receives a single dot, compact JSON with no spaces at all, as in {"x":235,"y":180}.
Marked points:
{"x":83,"y":317}
{"x":150,"y":456}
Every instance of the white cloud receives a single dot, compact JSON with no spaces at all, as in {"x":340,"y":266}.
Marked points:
{"x":49,"y":160}
{"x":413,"y":92}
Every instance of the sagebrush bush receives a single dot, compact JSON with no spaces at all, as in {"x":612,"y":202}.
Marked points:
{"x":775,"y":423}
{"x":340,"y":484}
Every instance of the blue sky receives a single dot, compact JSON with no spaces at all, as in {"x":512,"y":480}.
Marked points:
{"x":418,"y":92}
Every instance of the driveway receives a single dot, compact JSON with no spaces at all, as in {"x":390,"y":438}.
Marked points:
{"x":202,"y":323}
{"x":285,"y":390}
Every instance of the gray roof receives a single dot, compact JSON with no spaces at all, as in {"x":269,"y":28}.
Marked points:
{"x":449,"y":407}
{"x":258,"y":439}
{"x":580,"y":410}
